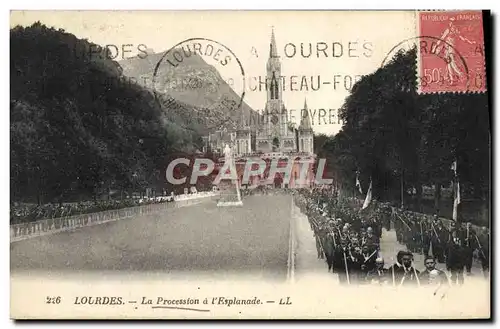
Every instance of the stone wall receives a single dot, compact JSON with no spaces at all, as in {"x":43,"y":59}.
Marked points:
{"x":24,"y":231}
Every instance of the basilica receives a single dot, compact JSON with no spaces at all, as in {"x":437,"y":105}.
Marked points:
{"x":273,"y":134}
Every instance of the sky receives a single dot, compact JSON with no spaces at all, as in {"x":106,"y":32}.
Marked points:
{"x":360,"y":40}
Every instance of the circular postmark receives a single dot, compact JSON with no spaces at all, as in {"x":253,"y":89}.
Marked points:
{"x":204,"y":76}
{"x":440,"y":67}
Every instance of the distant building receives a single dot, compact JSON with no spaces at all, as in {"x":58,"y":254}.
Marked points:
{"x":305,"y":135}
{"x":273,"y":135}
{"x":273,"y":132}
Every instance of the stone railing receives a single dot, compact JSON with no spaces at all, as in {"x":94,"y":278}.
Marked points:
{"x":24,"y":231}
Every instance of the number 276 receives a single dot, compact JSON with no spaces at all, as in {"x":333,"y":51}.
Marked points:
{"x":53,"y":300}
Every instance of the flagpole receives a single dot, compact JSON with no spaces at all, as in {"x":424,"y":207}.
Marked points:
{"x":456,"y":192}
{"x":402,"y":188}
{"x":346,"y":269}
{"x":422,"y":236}
{"x":455,"y":213}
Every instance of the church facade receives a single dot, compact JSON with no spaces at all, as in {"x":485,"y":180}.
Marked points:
{"x":273,"y":133}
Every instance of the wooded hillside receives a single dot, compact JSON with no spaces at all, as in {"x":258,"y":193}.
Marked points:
{"x":78,"y":128}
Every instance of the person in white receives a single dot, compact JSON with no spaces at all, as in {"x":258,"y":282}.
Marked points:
{"x":228,"y":154}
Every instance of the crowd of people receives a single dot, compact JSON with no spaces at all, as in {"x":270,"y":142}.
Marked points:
{"x":348,"y":238}
{"x":24,"y":213}
{"x":454,"y":245}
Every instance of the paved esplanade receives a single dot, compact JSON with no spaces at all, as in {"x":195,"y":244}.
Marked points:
{"x":203,"y":237}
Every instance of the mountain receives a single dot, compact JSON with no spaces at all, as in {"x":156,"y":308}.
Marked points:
{"x":77,"y":125}
{"x":195,"y":84}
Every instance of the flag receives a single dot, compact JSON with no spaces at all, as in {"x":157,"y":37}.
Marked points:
{"x":456,"y":191}
{"x":456,"y":200}
{"x":454,"y":167}
{"x":368,"y":198}
{"x":358,"y":184}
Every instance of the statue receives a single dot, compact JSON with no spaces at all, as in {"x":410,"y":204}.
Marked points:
{"x":228,"y":154}
{"x":230,"y":194}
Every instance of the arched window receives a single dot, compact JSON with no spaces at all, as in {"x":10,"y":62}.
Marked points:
{"x":276,"y":142}
{"x":274,"y":87}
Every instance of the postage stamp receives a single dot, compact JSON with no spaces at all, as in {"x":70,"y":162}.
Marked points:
{"x":454,"y":60}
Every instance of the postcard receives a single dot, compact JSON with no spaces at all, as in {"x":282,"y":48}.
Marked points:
{"x":250,"y":165}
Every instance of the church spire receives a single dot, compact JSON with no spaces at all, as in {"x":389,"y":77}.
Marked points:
{"x":273,"y":76}
{"x":273,"y":50}
{"x":305,"y":121}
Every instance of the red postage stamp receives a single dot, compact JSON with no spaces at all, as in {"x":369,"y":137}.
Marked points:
{"x":451,"y":58}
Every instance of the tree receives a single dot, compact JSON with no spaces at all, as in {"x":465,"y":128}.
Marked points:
{"x":404,"y":140}
{"x":78,"y":127}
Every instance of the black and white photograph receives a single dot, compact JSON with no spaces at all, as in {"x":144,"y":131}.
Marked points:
{"x":250,"y":165}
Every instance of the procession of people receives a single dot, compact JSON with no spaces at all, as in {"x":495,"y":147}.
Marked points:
{"x":348,"y":239}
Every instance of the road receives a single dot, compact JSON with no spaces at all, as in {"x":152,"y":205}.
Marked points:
{"x":201,"y":238}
